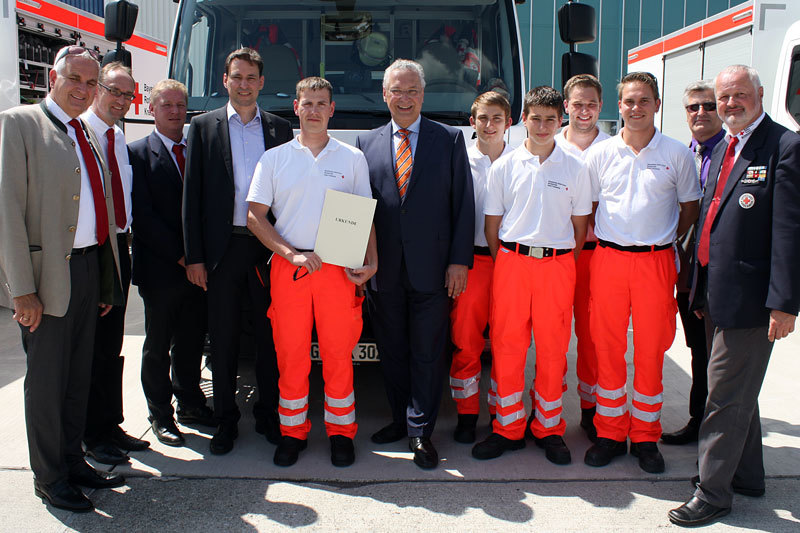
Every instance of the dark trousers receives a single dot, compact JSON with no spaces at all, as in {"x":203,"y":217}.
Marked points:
{"x":411,"y":328}
{"x":59,"y":358}
{"x":694,"y":330}
{"x":729,"y":447}
{"x":175,"y":319}
{"x":104,"y":411}
{"x":234,"y":281}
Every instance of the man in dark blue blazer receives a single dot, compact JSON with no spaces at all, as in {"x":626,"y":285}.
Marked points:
{"x":424,"y":224}
{"x":221,"y":253}
{"x":746,"y":281}
{"x":174,"y":308}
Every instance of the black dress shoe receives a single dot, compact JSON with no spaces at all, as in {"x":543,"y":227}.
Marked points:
{"x":604,"y":450}
{"x":465,"y":429}
{"x":738,"y":489}
{"x":167,"y":433}
{"x":342,"y":451}
{"x":270,"y":427}
{"x":685,"y":435}
{"x":650,"y":459}
{"x":555,"y":449}
{"x":391,"y":433}
{"x":107,"y":453}
{"x":587,"y":423}
{"x":222,"y":441}
{"x":63,"y":496}
{"x":84,"y":475}
{"x":494,"y":446}
{"x":289,"y":449}
{"x":425,"y":455}
{"x":123,"y":441}
{"x":201,"y":415}
{"x":696,"y":512}
{"x":528,"y":430}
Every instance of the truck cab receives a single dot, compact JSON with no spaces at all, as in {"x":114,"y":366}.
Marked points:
{"x":465,"y":46}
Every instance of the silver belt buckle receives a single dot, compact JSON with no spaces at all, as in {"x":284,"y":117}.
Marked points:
{"x":537,"y":252}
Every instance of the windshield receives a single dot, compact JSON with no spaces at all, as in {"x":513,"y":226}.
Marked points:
{"x":465,"y":46}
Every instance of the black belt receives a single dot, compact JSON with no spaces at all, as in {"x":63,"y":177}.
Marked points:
{"x":534,"y":251}
{"x":589,"y":245}
{"x":481,"y":250}
{"x":83,"y":251}
{"x":652,"y":248}
{"x":242,"y":230}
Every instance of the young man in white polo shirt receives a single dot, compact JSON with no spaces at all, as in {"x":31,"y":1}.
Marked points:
{"x":583,"y":101}
{"x":537,"y":207}
{"x":490,"y":116}
{"x":291,"y":181}
{"x":645,"y":191}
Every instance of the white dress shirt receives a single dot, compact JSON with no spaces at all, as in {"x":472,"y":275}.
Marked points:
{"x":247,"y":146}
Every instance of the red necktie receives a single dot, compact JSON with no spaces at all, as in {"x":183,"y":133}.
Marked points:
{"x":120,"y":215}
{"x":100,"y":211}
{"x":705,"y":236}
{"x":404,"y":162}
{"x":177,"y":149}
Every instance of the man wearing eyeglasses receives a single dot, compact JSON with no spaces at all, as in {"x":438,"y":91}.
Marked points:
{"x":425,"y":223}
{"x":104,"y":438}
{"x":58,"y":262}
{"x":706,"y":128}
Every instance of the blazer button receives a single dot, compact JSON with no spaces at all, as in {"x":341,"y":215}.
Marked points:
{"x":71,"y":229}
{"x":76,"y":197}
{"x":73,"y":144}
{"x":77,"y":170}
{"x":69,"y":256}
{"x":402,"y":211}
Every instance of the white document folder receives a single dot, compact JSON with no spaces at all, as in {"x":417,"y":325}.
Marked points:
{"x":344,"y":228}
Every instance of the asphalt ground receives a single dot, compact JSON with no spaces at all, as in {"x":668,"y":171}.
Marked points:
{"x":181,"y":489}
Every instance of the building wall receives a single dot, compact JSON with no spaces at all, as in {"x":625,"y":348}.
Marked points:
{"x":621,"y":25}
{"x":155,"y":19}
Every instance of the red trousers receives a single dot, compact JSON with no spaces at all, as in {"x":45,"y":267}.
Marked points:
{"x":328,"y":299}
{"x":586,"y":365}
{"x":641,"y":285}
{"x":468,"y":319}
{"x":530,"y":295}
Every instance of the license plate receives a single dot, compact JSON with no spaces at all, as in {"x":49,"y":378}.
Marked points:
{"x":364,"y":352}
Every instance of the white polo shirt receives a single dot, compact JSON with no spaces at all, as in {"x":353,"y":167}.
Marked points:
{"x":537,"y":200}
{"x":290,"y":180}
{"x":479,"y":163}
{"x":638,"y":194}
{"x":562,"y":141}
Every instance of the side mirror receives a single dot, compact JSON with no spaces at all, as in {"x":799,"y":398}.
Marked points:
{"x":120,"y":20}
{"x":577,"y":23}
{"x":574,"y":63}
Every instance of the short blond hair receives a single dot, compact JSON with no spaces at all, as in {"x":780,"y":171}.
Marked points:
{"x":168,"y":85}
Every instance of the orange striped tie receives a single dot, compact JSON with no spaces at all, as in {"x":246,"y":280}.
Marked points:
{"x":404,"y":162}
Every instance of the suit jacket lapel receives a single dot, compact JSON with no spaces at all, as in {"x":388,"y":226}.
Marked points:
{"x":386,"y":164}
{"x":164,"y":159}
{"x":270,"y":140}
{"x":225,"y":140}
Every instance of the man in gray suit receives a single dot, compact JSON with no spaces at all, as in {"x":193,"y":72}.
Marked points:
{"x":57,"y":263}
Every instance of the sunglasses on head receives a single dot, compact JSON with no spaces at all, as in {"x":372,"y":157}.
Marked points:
{"x":708,"y":106}
{"x":75,"y":50}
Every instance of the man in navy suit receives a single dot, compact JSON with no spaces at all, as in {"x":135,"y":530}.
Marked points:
{"x":174,"y":308}
{"x":424,"y":221}
{"x":221,"y":253}
{"x":747,"y":283}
